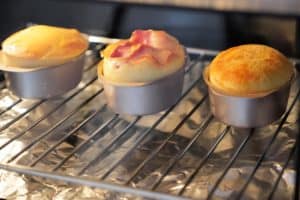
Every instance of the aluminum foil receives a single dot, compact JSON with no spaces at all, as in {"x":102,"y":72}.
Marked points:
{"x":18,"y":186}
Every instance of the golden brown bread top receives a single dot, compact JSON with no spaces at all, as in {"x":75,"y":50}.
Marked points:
{"x":146,"y":56}
{"x":42,"y":44}
{"x":249,"y":69}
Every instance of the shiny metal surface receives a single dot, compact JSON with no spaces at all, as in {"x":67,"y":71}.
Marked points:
{"x":249,"y":112}
{"x":144,"y":98}
{"x":46,"y":82}
{"x":76,"y":147}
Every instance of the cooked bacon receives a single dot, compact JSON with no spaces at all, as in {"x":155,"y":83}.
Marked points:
{"x":123,"y":50}
{"x":154,"y":44}
{"x":141,"y":36}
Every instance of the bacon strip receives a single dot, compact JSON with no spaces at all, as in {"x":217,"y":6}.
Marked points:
{"x":146,"y":43}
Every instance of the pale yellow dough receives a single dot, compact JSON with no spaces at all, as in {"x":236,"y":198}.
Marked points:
{"x":42,"y":45}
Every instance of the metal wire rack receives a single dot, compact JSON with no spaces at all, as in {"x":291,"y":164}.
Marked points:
{"x":26,"y":159}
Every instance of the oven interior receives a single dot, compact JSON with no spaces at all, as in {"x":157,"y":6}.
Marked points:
{"x":74,"y":146}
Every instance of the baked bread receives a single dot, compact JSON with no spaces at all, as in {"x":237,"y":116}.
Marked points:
{"x":248,"y":70}
{"x":146,"y":56}
{"x":41,"y":45}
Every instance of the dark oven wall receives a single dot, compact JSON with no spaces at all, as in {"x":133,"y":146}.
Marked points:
{"x":204,"y":29}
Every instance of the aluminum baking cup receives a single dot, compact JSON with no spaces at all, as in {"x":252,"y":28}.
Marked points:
{"x":143,"y":98}
{"x":44,"y":82}
{"x":248,"y":112}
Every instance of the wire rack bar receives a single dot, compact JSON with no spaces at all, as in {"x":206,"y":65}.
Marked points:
{"x":191,"y":64}
{"x":263,"y":155}
{"x":197,"y":134}
{"x":30,"y":109}
{"x":93,"y":135}
{"x":144,"y":134}
{"x":46,"y":115}
{"x":290,"y":156}
{"x":200,"y":56}
{"x":170,"y":136}
{"x":46,"y":133}
{"x":11,"y":106}
{"x":229,"y":164}
{"x":101,"y":153}
{"x":21,"y":115}
{"x":74,"y":130}
{"x":94,"y":63}
{"x":91,"y":183}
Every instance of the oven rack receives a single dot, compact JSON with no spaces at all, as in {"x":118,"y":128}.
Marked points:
{"x":57,"y":171}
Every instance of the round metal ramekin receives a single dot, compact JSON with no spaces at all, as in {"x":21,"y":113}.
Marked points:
{"x":248,"y":112}
{"x":143,"y":98}
{"x":44,"y":82}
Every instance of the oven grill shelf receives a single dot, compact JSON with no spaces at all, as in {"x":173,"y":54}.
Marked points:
{"x":24,"y":159}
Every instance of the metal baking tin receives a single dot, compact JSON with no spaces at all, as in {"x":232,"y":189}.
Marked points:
{"x":143,"y":98}
{"x":44,"y":82}
{"x":248,"y":112}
